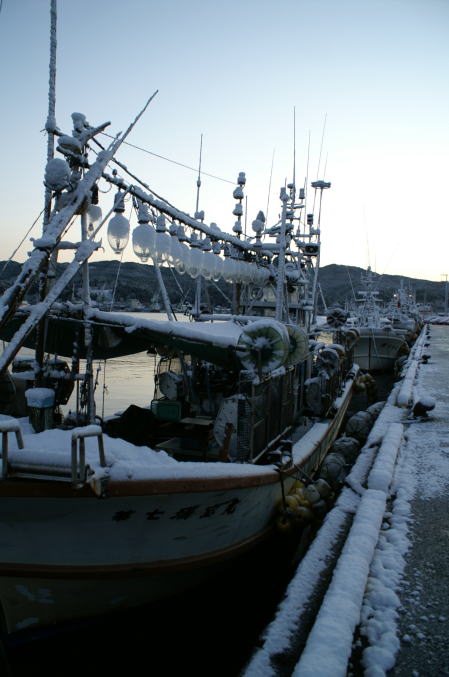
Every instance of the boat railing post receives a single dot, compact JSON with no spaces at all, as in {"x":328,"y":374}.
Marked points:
{"x":79,"y":460}
{"x":4,"y":455}
{"x":5,"y":428}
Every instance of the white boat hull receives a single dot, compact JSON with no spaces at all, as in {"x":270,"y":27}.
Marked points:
{"x":68,"y":555}
{"x":377,"y":350}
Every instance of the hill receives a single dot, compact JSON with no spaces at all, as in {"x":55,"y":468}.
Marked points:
{"x":138,"y":281}
{"x":341,"y":283}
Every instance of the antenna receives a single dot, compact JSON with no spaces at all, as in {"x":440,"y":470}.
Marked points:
{"x":294,"y":146}
{"x":198,"y":181}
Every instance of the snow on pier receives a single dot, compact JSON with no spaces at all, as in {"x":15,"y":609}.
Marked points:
{"x":385,"y":606}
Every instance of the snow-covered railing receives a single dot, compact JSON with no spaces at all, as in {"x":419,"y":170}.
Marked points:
{"x":405,"y":393}
{"x":79,"y":451}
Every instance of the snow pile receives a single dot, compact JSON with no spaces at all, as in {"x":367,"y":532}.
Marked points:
{"x":381,"y":475}
{"x":40,"y":397}
{"x":280,"y":634}
{"x":329,"y":644}
{"x":380,"y":608}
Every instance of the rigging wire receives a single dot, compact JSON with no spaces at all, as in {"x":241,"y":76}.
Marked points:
{"x":175,"y":162}
{"x":352,"y":286}
{"x":133,"y":176}
{"x":269,"y":186}
{"x":319,"y":157}
{"x":24,"y":237}
{"x":115,"y":283}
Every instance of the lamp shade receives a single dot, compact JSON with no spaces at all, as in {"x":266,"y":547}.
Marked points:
{"x":118,"y":232}
{"x":143,"y":241}
{"x":94,"y":215}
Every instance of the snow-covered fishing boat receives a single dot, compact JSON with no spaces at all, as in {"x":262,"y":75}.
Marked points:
{"x":404,"y":313}
{"x":100,"y":515}
{"x":380,"y":343}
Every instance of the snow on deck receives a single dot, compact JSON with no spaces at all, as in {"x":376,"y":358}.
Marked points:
{"x":124,"y":460}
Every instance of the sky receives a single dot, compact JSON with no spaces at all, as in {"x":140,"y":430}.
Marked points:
{"x":364,"y":80}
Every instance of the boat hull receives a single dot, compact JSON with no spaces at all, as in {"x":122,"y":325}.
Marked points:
{"x":377,"y":350}
{"x":69,"y":555}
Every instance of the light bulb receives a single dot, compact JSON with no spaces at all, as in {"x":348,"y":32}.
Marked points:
{"x":118,"y":232}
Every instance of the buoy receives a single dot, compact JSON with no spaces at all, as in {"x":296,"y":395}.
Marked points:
{"x":291,"y":501}
{"x":304,"y":514}
{"x":312,"y":493}
{"x":359,"y":425}
{"x":284,"y":523}
{"x":333,"y":470}
{"x":375,"y":409}
{"x":348,"y":447}
{"x":302,"y":497}
{"x":324,"y":489}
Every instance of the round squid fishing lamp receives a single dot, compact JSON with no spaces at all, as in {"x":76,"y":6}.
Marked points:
{"x":143,"y":241}
{"x":162,"y":242}
{"x":179,"y":251}
{"x":217,"y":270}
{"x":94,"y":216}
{"x":194,"y":264}
{"x":118,"y":229}
{"x":207,"y":259}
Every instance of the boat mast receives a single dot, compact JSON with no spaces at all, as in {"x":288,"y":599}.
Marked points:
{"x":50,"y":127}
{"x":281,"y":296}
{"x":196,"y":310}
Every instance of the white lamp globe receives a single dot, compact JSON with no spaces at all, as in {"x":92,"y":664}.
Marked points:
{"x":143,"y":241}
{"x":94,"y":215}
{"x":118,"y":232}
{"x":162,"y":243}
{"x":217,"y":270}
{"x":195,"y":262}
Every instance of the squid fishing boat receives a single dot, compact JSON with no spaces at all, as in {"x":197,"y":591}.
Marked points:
{"x":381,"y":342}
{"x":404,"y":314}
{"x":103,"y":515}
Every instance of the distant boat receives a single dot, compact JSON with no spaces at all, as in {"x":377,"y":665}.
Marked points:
{"x":380,"y":344}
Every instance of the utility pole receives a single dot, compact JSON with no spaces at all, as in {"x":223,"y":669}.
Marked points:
{"x":445,"y":275}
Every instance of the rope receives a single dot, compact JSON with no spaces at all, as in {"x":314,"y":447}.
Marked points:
{"x":115,"y":284}
{"x":180,"y":164}
{"x":22,"y":240}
